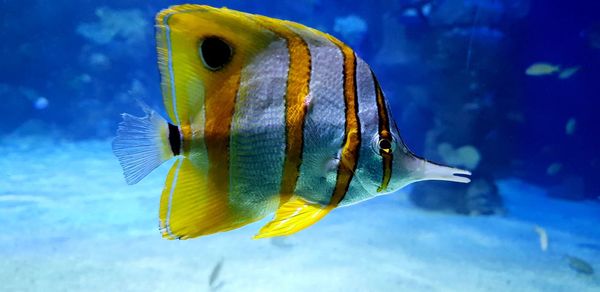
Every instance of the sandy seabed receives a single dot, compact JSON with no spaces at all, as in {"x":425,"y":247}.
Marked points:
{"x":70,"y":223}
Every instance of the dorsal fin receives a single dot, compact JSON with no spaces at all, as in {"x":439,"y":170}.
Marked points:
{"x":186,"y":81}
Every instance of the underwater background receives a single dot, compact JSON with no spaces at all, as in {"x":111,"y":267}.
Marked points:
{"x":456,"y":75}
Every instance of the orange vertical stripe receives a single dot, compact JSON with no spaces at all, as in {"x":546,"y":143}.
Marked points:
{"x":220,"y":106}
{"x":298,"y":86}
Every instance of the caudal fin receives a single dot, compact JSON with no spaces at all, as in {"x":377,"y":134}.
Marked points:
{"x":141,"y":145}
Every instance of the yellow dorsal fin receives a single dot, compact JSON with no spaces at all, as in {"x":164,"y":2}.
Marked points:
{"x":187,"y":84}
{"x":293,"y":216}
{"x":190,"y":206}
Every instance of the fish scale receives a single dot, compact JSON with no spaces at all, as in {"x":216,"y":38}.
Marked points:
{"x":269,"y":117}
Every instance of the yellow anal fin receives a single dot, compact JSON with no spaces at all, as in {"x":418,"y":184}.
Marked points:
{"x":293,"y":216}
{"x":190,"y":206}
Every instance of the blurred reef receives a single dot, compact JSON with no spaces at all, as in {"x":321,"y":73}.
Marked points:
{"x":453,"y":71}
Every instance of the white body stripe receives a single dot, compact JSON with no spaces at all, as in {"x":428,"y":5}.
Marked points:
{"x":325,"y":120}
{"x":258,"y":129}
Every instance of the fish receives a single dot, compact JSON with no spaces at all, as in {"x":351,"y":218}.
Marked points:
{"x":213,"y":280}
{"x":579,"y":265}
{"x":568,"y":72}
{"x":570,"y":126}
{"x":554,"y":168}
{"x":264,"y":116}
{"x":543,"y":237}
{"x":540,"y":69}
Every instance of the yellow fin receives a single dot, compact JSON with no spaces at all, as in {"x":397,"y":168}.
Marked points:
{"x":293,"y":216}
{"x":192,"y":207}
{"x":185,"y":81}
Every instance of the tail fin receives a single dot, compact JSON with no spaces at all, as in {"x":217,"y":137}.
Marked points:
{"x":141,"y":145}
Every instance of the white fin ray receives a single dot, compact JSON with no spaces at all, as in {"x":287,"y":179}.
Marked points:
{"x":141,"y":145}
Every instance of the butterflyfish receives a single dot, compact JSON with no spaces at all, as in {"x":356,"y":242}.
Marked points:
{"x":264,"y":116}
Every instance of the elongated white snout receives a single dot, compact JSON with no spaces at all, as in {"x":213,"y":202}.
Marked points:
{"x":426,"y":170}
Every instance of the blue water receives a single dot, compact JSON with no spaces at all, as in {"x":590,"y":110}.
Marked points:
{"x":454,"y":73}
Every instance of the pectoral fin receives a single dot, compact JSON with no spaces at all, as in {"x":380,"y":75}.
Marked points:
{"x":293,"y":216}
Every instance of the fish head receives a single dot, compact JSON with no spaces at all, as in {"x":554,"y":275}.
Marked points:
{"x":385,"y":163}
{"x":389,"y":165}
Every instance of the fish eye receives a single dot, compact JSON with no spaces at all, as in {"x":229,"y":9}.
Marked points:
{"x":383,"y":144}
{"x":215,"y":53}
